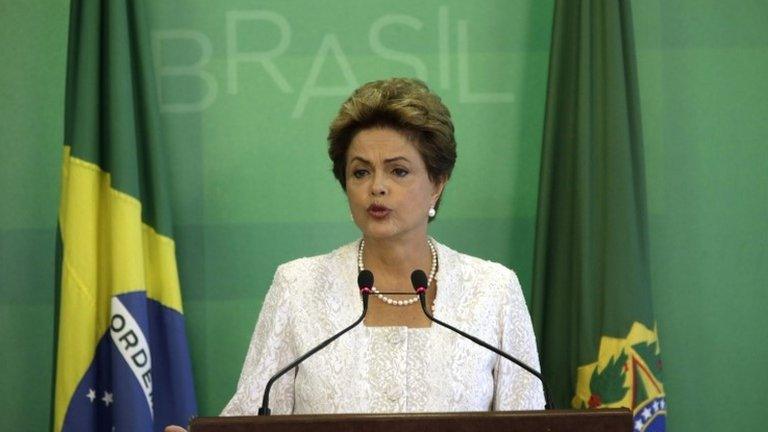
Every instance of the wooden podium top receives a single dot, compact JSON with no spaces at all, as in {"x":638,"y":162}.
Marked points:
{"x":604,"y":420}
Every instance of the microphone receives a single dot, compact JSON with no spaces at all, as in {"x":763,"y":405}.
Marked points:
{"x":364,"y":282}
{"x":419,"y":282}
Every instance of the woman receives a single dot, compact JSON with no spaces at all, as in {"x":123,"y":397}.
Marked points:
{"x":393,"y":149}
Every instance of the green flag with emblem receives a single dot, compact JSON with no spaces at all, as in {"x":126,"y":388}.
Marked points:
{"x":591,"y":293}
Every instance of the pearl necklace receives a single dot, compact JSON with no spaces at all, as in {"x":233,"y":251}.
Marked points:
{"x":388,"y":300}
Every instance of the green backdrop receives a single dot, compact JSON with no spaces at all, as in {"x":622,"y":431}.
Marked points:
{"x":247,"y":92}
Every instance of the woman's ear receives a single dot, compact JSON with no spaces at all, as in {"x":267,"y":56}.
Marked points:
{"x":438,"y":190}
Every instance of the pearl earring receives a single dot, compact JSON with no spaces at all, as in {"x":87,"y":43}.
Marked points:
{"x":431,"y":212}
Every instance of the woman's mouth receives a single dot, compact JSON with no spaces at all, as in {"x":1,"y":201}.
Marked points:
{"x":378,"y":211}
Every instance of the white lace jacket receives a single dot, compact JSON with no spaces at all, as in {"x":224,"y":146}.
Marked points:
{"x":390,"y":369}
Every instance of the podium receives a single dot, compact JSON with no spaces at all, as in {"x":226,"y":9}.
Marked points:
{"x":606,"y":420}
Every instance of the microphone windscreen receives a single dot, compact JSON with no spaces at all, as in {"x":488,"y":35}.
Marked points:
{"x":419,"y":279}
{"x":365,"y":279}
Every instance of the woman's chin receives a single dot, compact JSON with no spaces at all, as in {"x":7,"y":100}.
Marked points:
{"x":378,"y":234}
{"x":379,"y":230}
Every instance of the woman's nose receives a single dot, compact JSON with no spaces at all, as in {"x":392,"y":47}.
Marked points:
{"x":378,"y":186}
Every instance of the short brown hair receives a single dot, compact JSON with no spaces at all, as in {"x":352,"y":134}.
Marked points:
{"x":406,"y":105}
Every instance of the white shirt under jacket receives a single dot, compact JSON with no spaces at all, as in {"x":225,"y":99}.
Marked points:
{"x":390,"y":369}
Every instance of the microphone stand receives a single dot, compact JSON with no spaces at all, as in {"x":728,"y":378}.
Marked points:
{"x":422,"y":299}
{"x":264,"y":409}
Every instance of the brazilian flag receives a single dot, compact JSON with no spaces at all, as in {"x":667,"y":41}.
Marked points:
{"x":591,"y":297}
{"x":122,"y":362}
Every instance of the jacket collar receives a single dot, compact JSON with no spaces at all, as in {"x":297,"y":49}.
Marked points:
{"x":448,"y":280}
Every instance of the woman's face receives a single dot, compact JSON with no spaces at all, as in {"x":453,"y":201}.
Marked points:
{"x":388,"y":188}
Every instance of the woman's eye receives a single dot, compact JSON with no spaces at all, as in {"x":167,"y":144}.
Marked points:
{"x":400,"y":172}
{"x":359,"y":173}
